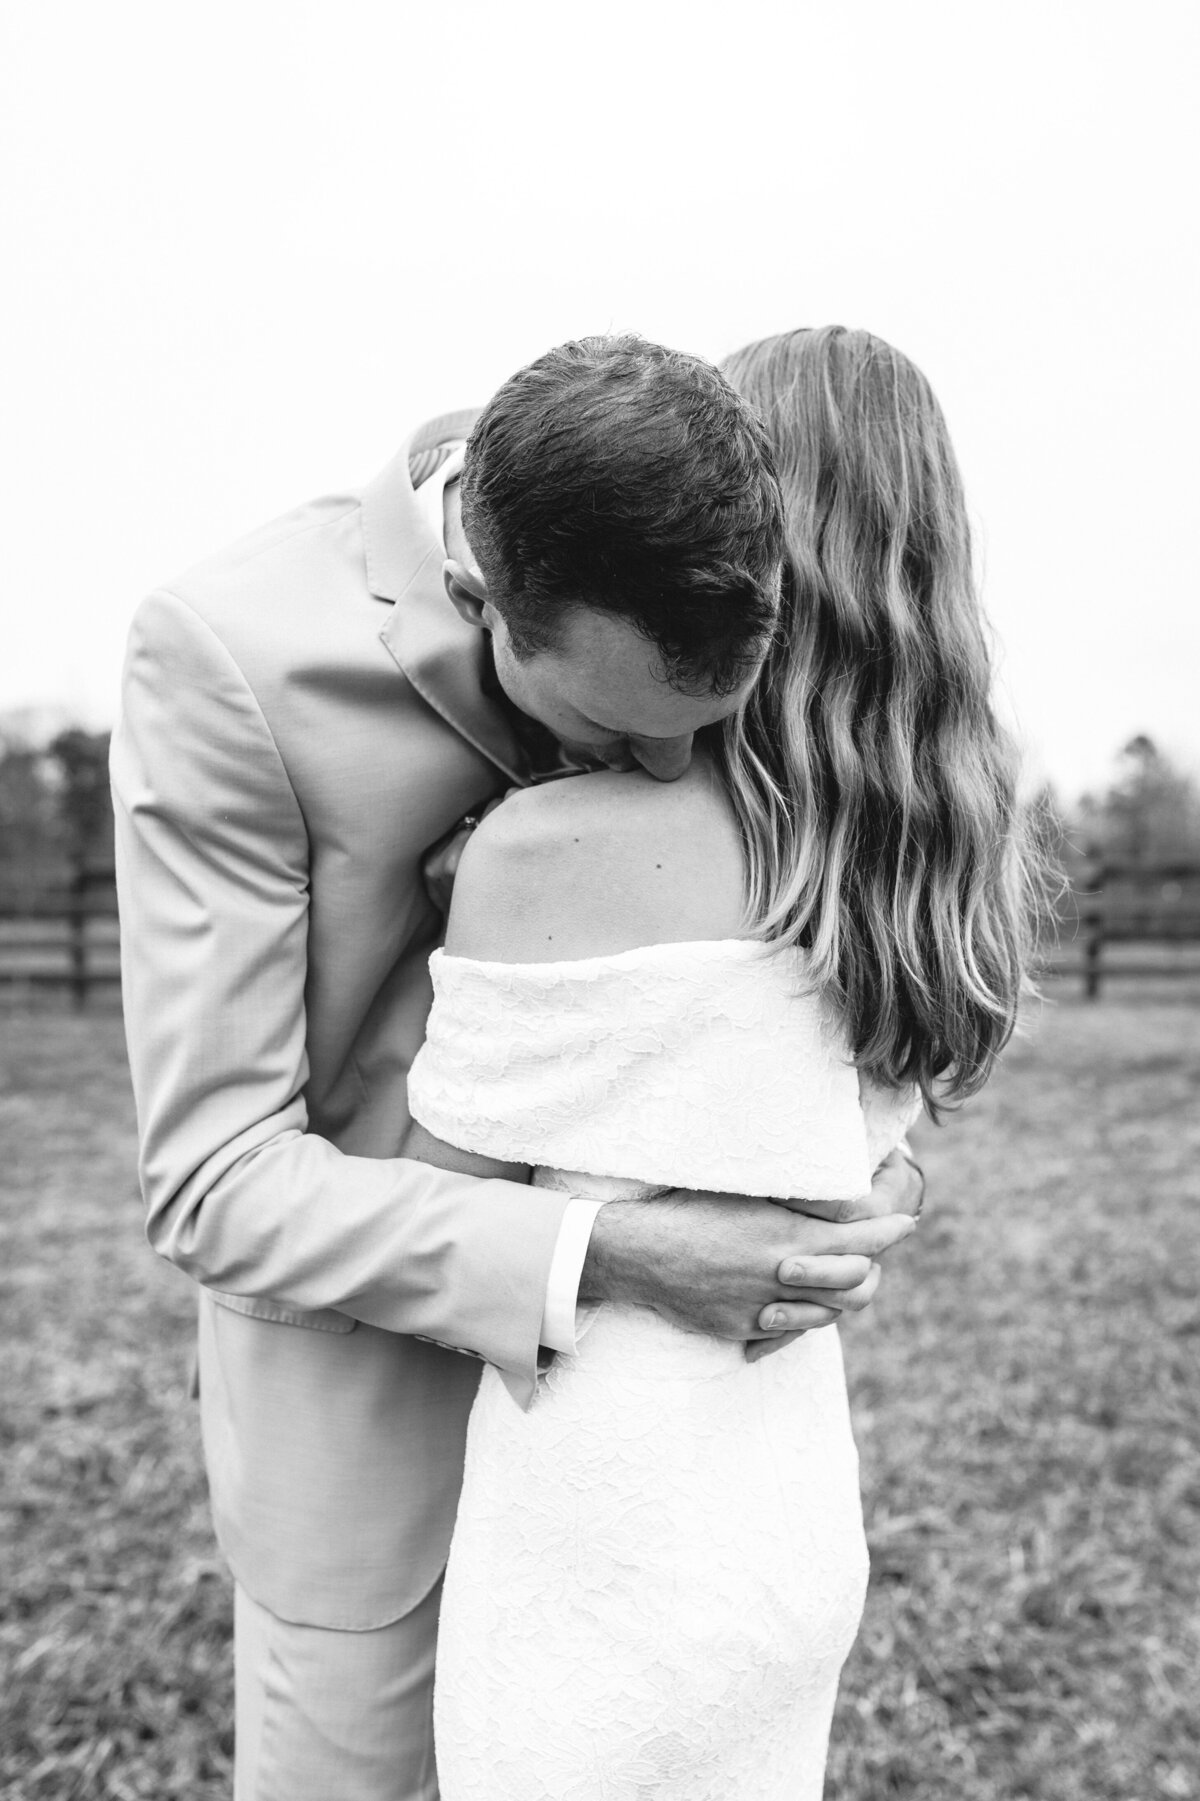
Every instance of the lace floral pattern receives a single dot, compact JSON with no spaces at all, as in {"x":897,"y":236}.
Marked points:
{"x":657,"y":1571}
{"x":643,"y":1065}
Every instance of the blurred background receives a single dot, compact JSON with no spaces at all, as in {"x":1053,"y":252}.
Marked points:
{"x":249,"y":248}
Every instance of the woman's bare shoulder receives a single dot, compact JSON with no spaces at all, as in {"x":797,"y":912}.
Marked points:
{"x":597,"y":864}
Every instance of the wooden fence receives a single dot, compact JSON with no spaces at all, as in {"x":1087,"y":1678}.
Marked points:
{"x":1119,"y":920}
{"x":62,"y":937}
{"x":1117,"y":912}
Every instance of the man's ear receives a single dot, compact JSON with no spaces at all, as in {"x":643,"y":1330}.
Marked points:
{"x":467,"y":589}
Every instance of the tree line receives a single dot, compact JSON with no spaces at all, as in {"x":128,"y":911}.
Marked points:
{"x":1147,"y":817}
{"x":55,"y":811}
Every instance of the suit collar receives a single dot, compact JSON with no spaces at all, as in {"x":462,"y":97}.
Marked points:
{"x":443,"y":657}
{"x":395,"y":537}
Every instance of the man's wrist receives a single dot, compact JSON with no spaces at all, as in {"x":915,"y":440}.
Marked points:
{"x":615,"y":1268}
{"x":595,"y":1277}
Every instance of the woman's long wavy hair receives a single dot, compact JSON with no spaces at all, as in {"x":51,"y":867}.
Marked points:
{"x":875,"y":788}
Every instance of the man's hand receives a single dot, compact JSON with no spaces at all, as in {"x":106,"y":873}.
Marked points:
{"x":736,"y":1268}
{"x":440,"y":863}
{"x":898,"y":1186}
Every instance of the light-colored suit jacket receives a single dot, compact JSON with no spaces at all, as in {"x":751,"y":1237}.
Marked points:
{"x":302,"y":718}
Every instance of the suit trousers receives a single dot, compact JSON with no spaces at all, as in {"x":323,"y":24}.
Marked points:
{"x":322,"y":1715}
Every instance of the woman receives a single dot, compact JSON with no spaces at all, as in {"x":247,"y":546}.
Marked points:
{"x":745,"y":980}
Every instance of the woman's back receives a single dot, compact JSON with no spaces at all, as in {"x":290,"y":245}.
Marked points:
{"x":658,"y":1569}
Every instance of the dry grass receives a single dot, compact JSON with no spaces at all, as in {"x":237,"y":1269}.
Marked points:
{"x":1026,"y":1395}
{"x":1027,"y":1403}
{"x":114,"y":1641}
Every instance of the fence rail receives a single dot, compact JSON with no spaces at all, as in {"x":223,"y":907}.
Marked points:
{"x":63,"y":937}
{"x":1154,"y":907}
{"x":66,"y":937}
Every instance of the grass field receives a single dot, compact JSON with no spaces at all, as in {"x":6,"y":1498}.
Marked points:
{"x":1027,"y":1396}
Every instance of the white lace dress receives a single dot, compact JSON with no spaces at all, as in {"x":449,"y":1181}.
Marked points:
{"x":658,"y":1570}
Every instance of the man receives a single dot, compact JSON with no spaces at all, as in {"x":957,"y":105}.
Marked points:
{"x":303,"y":717}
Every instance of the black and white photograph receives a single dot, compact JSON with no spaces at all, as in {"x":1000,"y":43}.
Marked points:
{"x":600,"y":902}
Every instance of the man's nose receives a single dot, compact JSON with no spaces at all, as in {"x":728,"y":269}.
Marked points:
{"x":664,"y":758}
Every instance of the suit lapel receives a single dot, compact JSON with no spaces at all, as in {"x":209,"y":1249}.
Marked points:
{"x":443,"y":658}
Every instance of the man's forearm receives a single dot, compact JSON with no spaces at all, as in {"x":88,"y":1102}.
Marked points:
{"x":391,"y":1242}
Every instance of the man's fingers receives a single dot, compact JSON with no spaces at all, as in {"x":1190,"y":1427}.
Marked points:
{"x":763,"y":1347}
{"x":836,"y":1212}
{"x":858,"y":1238}
{"x":824,"y":1272}
{"x":780,"y":1316}
{"x":898,"y":1183}
{"x":848,"y":1300}
{"x":855,"y":1299}
{"x":895,"y":1188}
{"x":794,"y":1316}
{"x":441,"y":866}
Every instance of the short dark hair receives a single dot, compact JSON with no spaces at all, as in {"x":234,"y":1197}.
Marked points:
{"x":617,"y":475}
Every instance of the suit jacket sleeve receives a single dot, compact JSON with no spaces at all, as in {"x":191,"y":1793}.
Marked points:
{"x":212,"y":863}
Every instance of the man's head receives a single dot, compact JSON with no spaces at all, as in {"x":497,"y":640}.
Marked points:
{"x":622,"y":540}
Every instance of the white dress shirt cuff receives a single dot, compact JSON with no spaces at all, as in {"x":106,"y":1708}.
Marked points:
{"x":566,"y":1268}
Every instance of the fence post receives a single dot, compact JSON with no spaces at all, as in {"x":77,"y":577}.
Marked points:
{"x":78,"y":940}
{"x":1091,"y":919}
{"x":1091,"y":959}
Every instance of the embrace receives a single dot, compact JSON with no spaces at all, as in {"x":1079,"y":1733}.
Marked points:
{"x":670,"y":684}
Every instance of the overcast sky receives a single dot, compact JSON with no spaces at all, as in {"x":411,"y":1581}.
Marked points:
{"x":251,"y":245}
